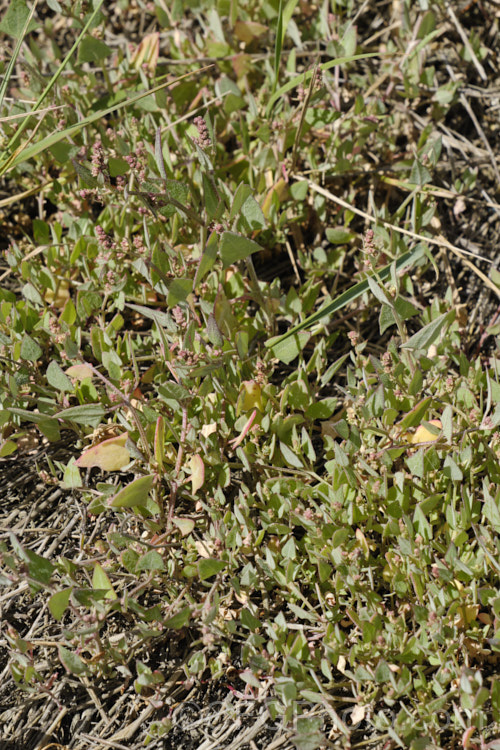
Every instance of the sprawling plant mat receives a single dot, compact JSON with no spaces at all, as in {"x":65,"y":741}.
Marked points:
{"x":249,"y":380}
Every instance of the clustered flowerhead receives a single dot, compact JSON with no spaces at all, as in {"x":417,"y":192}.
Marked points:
{"x":203,"y":140}
{"x":137,"y":160}
{"x":260,"y":375}
{"x":353,"y":337}
{"x":216,"y":227}
{"x":318,"y":79}
{"x":98,"y":159}
{"x":387,"y":362}
{"x":105,"y":241}
{"x":139,"y":245}
{"x":178,"y":316}
{"x":368,"y":243}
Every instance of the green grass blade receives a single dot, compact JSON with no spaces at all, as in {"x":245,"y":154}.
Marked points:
{"x":304,"y":77}
{"x":287,"y":16}
{"x":278,"y":45}
{"x":13,"y":60}
{"x":15,"y":138}
{"x":408,"y":259}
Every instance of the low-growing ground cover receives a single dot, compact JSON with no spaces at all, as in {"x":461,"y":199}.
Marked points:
{"x":249,"y":392}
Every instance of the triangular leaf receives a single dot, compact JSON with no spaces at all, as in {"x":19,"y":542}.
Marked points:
{"x":135,"y":493}
{"x":234,"y":247}
{"x":71,"y":661}
{"x":58,"y":603}
{"x":100,"y":580}
{"x":110,"y":455}
{"x":208,"y":567}
{"x":429,"y":333}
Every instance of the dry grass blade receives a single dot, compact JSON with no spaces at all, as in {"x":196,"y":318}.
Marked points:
{"x":436,"y":241}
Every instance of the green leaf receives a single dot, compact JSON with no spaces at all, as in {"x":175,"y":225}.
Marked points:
{"x":174,"y":391}
{"x":286,"y":349}
{"x":185,"y":525}
{"x":58,"y":379}
{"x":339,"y":235}
{"x":85,"y":174}
{"x":100,"y":581}
{"x":213,"y":332}
{"x":46,"y":425}
{"x":248,"y":620}
{"x":419,"y":174}
{"x":87,"y":414}
{"x":234,"y":247}
{"x":58,"y":603}
{"x":15,"y":18}
{"x":135,"y":493}
{"x":71,"y":661}
{"x":117,"y":166}
{"x":152,"y":560}
{"x":377,"y":291}
{"x":290,"y":457}
{"x":251,"y":216}
{"x":179,"y":620}
{"x":68,"y":314}
{"x":30,"y":350}
{"x":63,"y":152}
{"x":210,"y":198}
{"x":72,"y":478}
{"x":50,"y":428}
{"x":452,"y":470}
{"x":416,"y":415}
{"x":41,"y":232}
{"x":92,"y":50}
{"x":39,"y":568}
{"x":178,"y":291}
{"x":243,"y":191}
{"x":491,"y":509}
{"x":386,"y":318}
{"x":129,"y":560}
{"x":429,"y":333}
{"x":208,"y":567}
{"x":308,"y":734}
{"x":404,"y":308}
{"x":31,"y":294}
{"x":7,"y":448}
{"x":383,"y":673}
{"x":207,"y":260}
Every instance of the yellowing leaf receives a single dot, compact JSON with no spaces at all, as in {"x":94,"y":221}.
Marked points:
{"x":60,"y":296}
{"x":208,"y":429}
{"x":247,"y":31}
{"x":466,"y":614}
{"x":185,"y":525}
{"x":197,"y":473}
{"x":205,"y":549}
{"x":250,"y":397}
{"x":110,"y":455}
{"x":281,"y":190}
{"x":80,"y":372}
{"x":423,"y":435}
{"x":363,"y":542}
{"x":160,"y":442}
{"x":146,"y":54}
